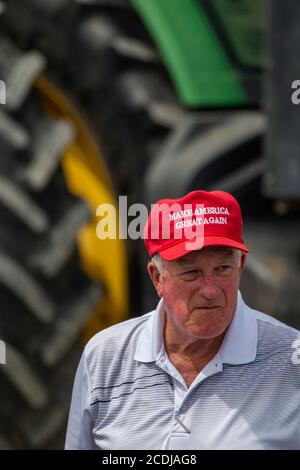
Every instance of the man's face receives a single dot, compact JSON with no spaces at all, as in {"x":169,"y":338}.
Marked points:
{"x":200,"y":290}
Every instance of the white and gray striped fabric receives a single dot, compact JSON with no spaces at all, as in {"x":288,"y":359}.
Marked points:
{"x":127,"y":394}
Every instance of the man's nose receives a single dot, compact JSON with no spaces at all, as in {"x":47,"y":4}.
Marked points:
{"x":209,"y":287}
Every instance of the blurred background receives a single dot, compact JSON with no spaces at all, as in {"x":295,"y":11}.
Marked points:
{"x":148,"y":99}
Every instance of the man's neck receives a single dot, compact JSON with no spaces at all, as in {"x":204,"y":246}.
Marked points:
{"x":190,"y":348}
{"x":189,"y":355}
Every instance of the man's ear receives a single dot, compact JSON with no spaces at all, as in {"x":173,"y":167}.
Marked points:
{"x":242,"y":263}
{"x":155,"y":276}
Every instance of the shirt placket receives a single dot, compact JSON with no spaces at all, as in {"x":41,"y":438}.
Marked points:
{"x":182,"y":432}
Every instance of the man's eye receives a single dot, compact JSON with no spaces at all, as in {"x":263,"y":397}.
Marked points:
{"x":190,"y":274}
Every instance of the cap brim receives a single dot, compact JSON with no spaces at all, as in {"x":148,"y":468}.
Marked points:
{"x":183,"y":247}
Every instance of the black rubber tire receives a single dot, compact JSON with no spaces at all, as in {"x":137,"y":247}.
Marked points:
{"x":45,"y":296}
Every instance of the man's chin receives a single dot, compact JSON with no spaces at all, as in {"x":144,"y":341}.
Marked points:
{"x":207,"y":332}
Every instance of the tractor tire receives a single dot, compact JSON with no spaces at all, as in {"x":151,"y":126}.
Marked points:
{"x":45,"y":296}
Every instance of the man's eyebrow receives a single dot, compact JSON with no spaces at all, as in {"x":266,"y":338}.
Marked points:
{"x":224,"y":257}
{"x":185,"y":264}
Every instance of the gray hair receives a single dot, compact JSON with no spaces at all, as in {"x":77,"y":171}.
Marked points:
{"x":159,"y":262}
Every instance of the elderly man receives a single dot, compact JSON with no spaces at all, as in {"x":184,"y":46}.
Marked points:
{"x":203,"y":370}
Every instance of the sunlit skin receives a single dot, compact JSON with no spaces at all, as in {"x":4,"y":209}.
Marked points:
{"x":200,"y":294}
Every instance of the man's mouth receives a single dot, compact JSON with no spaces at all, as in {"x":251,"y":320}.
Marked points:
{"x":207,"y":308}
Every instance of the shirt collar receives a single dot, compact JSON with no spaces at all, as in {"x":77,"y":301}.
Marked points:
{"x":240,"y":342}
{"x":239,"y":345}
{"x":151,"y":338}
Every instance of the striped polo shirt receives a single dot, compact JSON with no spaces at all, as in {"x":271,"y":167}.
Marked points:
{"x":128,"y":395}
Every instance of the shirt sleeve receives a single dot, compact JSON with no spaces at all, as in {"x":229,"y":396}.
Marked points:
{"x":80,"y":425}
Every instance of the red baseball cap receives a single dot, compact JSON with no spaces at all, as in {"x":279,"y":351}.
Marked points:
{"x":176,"y":227}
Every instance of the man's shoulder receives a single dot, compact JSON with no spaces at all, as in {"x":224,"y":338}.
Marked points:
{"x":271,"y":324}
{"x":120,"y":333}
{"x":274,"y":336}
